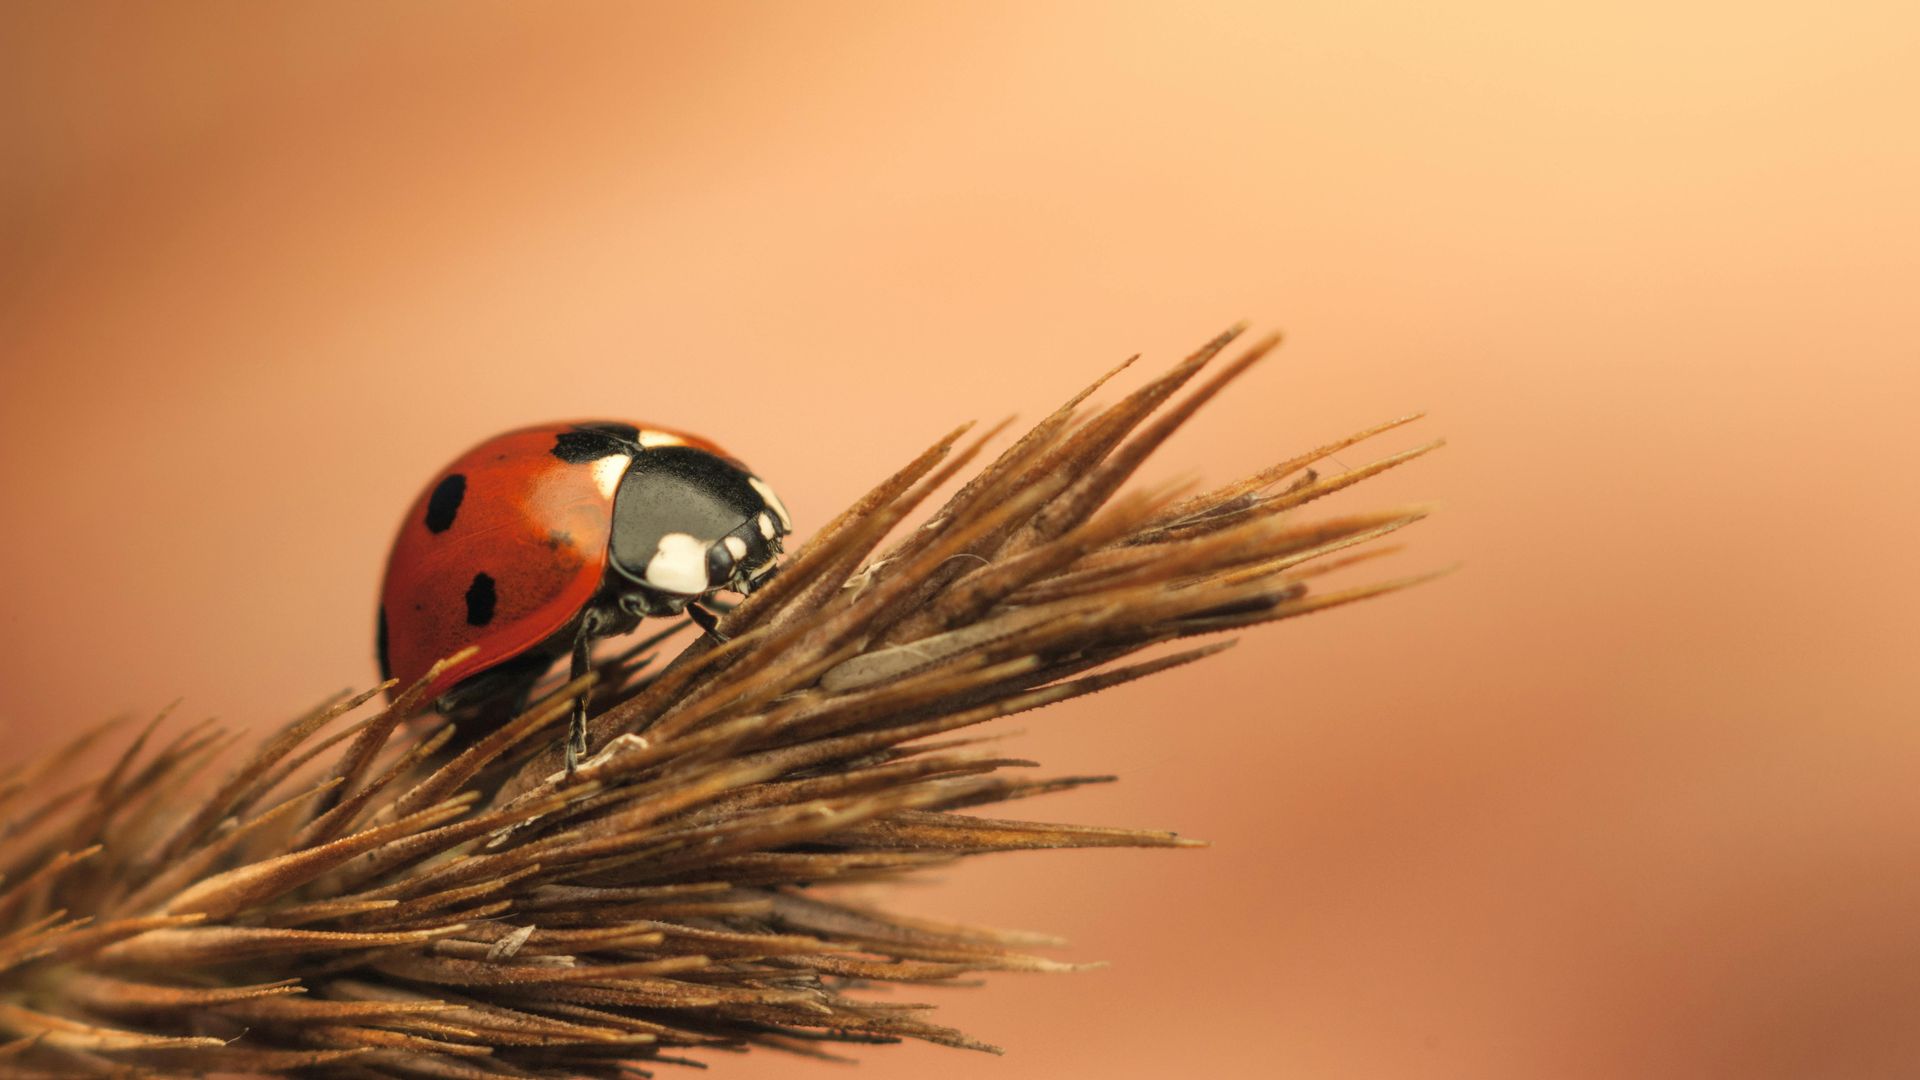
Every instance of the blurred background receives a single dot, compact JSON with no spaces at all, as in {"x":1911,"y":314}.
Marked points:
{"x":1632,"y":794}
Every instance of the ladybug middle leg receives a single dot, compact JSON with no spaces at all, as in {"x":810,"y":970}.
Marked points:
{"x":582,"y":663}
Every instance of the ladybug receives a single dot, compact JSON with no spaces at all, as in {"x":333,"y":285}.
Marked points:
{"x":536,"y":543}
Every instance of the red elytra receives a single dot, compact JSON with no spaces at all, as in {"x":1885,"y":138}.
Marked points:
{"x":540,"y":540}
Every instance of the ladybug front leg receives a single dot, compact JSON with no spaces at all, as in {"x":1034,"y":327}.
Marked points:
{"x":707,"y":621}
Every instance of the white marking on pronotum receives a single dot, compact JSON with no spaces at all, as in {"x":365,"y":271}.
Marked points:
{"x":773,"y":502}
{"x":736,"y":547}
{"x":607,"y":472}
{"x":766,"y":524}
{"x":679,"y":565}
{"x":650,"y":438}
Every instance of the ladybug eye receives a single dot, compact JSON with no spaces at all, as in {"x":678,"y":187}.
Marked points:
{"x":720,"y":559}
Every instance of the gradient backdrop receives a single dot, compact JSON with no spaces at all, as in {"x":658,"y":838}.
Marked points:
{"x":1631,"y":795}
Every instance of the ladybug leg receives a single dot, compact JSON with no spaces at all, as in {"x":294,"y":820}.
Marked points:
{"x":707,"y":621}
{"x":577,"y":727}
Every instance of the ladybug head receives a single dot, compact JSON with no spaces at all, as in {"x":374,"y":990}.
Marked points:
{"x":687,"y":522}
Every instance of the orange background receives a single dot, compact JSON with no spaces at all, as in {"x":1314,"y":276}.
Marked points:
{"x":1633,"y":794}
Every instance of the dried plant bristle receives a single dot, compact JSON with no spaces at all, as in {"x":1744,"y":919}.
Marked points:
{"x":373,"y":898}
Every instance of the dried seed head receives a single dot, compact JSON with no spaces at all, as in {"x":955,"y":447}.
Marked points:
{"x":397,"y":910}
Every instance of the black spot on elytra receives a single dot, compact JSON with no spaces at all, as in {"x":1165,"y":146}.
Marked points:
{"x":380,"y":646}
{"x":444,"y":503}
{"x":591,"y":442}
{"x":480,"y":601}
